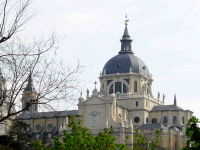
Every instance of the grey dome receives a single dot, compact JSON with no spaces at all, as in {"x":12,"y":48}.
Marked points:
{"x":123,"y":62}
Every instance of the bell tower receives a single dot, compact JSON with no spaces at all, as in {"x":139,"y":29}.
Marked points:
{"x":29,"y":97}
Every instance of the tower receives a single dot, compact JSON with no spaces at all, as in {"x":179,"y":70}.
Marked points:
{"x":129,"y":78}
{"x":29,"y":97}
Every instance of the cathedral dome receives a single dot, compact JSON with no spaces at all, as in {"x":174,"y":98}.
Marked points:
{"x":125,"y":63}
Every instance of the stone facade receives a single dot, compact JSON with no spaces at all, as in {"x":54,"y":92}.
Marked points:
{"x":45,"y":125}
{"x":124,"y":103}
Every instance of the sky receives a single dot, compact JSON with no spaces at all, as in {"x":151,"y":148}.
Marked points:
{"x":165,"y":33}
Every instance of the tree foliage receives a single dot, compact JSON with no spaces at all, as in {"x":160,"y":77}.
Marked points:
{"x":143,"y":143}
{"x":18,"y":138}
{"x":193,"y":134}
{"x":80,"y":138}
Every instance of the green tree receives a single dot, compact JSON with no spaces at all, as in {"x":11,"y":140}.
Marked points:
{"x":18,"y":138}
{"x":193,"y":134}
{"x":80,"y":138}
{"x":143,"y":143}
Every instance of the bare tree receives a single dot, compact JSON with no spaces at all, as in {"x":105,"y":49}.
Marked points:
{"x":53,"y":81}
{"x":13,"y":16}
{"x":21,"y":59}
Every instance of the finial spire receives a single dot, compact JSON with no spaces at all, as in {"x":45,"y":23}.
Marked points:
{"x":126,"y":39}
{"x":175,"y":100}
{"x":95,"y":84}
{"x":126,"y":21}
{"x":29,"y":86}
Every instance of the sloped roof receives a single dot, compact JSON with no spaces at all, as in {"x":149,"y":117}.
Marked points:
{"x":52,"y":114}
{"x":166,"y":108}
{"x":151,"y":126}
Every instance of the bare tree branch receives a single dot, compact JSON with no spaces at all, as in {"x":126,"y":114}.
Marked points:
{"x":12,"y":17}
{"x":53,"y":81}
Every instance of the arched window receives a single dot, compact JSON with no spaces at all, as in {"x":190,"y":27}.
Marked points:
{"x":174,"y":119}
{"x":50,"y":127}
{"x":147,"y":120}
{"x":125,"y":89}
{"x":136,"y":103}
{"x":183,"y":120}
{"x":165,"y":120}
{"x":111,"y":90}
{"x":38,"y":127}
{"x":118,"y":87}
{"x":94,"y":120}
{"x":148,"y":88}
{"x":27,"y":105}
{"x":135,"y":86}
{"x":154,"y":120}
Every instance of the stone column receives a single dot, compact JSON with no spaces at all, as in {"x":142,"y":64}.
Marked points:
{"x":114,"y":103}
{"x":130,"y":135}
{"x":122,"y":133}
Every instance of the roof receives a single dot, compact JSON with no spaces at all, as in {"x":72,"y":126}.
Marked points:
{"x":52,"y":114}
{"x":124,"y":63}
{"x":29,"y":86}
{"x":166,"y":108}
{"x":151,"y":126}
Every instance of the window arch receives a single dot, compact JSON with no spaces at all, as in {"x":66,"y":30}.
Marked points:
{"x":147,"y":120}
{"x":183,"y":120}
{"x":50,"y":126}
{"x":136,"y":103}
{"x":165,"y":120}
{"x":174,"y":119}
{"x":154,"y":120}
{"x":111,"y":90}
{"x":94,"y":120}
{"x":135,"y":86}
{"x":125,"y":89}
{"x":38,"y":127}
{"x":118,"y":87}
{"x":27,"y":105}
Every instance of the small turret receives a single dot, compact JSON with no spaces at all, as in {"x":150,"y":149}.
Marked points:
{"x":29,"y":86}
{"x":81,"y":99}
{"x":126,"y":40}
{"x":29,"y":97}
{"x":175,"y":103}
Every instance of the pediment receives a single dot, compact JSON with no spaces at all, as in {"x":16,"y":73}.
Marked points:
{"x":94,"y":100}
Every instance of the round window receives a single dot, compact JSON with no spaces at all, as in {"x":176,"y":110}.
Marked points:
{"x":137,"y":119}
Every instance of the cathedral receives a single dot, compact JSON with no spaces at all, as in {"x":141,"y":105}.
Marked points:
{"x":124,"y":103}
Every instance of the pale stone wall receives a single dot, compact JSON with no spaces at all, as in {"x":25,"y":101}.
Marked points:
{"x":170,"y":114}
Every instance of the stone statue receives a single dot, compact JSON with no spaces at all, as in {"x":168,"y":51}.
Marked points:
{"x":87,"y":93}
{"x":163,"y":97}
{"x":158,"y":95}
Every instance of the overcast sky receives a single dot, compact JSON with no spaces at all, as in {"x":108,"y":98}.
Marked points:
{"x":165,"y":33}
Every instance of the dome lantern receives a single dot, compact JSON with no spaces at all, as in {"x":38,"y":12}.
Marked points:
{"x":126,"y":40}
